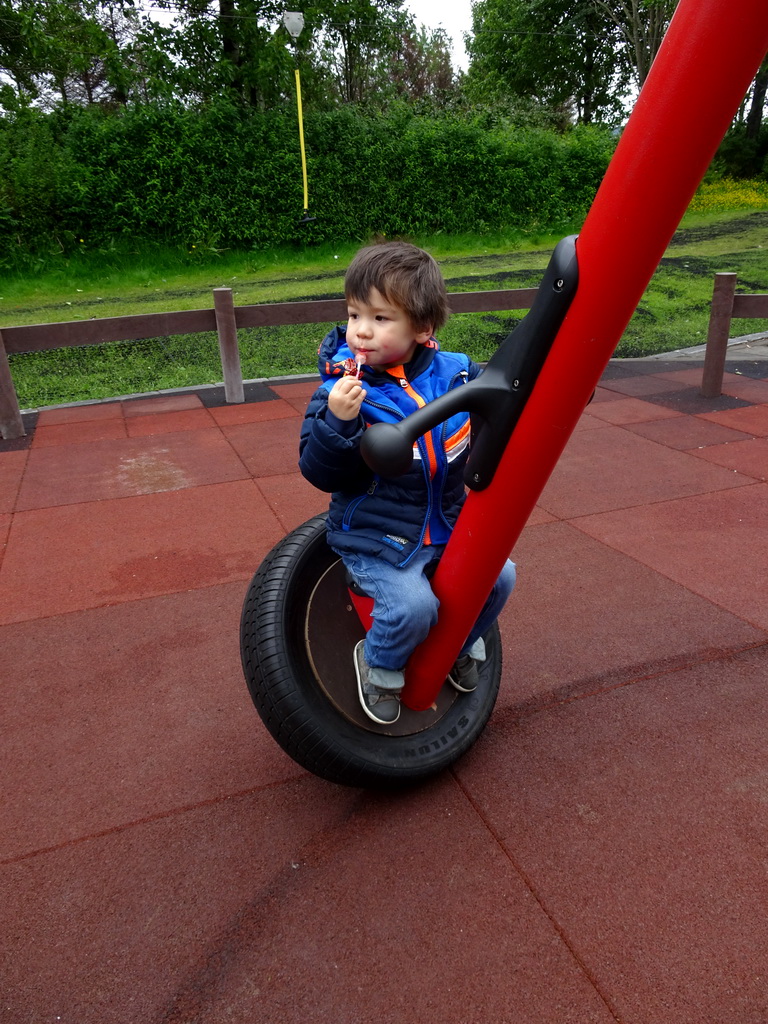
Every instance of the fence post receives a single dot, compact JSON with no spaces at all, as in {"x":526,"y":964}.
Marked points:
{"x":717,"y":336}
{"x":11,"y":423}
{"x":230,"y":354}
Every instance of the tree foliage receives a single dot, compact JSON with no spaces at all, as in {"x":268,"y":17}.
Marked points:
{"x":561,"y":52}
{"x":91,"y":51}
{"x":228,"y":176}
{"x":641,"y":25}
{"x":75,"y":52}
{"x":754,"y":117}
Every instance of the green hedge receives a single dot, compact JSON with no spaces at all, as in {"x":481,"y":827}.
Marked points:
{"x":230,"y":177}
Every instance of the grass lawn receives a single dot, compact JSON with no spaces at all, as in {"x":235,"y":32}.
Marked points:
{"x":673,"y":312}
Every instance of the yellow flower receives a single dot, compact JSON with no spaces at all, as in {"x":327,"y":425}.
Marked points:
{"x":728,"y":194}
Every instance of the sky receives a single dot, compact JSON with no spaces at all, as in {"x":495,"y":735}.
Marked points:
{"x":455,"y":16}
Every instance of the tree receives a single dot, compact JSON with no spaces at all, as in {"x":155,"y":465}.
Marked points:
{"x":225,"y":48}
{"x":356,"y":39}
{"x":108,"y":52}
{"x":240,"y":49}
{"x":641,"y":25}
{"x":421,"y":67}
{"x":562,"y":53}
{"x":757,"y":102}
{"x":21,"y":42}
{"x":58,"y":53}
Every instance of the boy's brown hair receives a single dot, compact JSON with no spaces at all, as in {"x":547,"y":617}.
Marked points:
{"x":406,"y":276}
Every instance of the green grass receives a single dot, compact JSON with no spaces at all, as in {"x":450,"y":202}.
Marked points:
{"x":674,"y":311}
{"x":111,"y":283}
{"x":672,"y":314}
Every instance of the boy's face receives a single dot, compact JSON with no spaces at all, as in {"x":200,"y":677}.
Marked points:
{"x":381,"y":332}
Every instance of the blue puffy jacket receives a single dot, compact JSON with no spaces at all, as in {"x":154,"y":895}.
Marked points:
{"x":391,"y":517}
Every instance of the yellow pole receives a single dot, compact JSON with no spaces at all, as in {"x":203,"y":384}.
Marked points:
{"x":301,"y":142}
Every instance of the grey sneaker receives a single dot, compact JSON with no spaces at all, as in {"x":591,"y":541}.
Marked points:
{"x":381,"y":706}
{"x":464,"y":675}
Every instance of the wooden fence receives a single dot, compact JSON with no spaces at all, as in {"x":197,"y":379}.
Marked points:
{"x":726,"y":305}
{"x":225,"y":318}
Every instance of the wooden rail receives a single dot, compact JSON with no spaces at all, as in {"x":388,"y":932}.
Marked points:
{"x":225,"y":318}
{"x":726,"y":305}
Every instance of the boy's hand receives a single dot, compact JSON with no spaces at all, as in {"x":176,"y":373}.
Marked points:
{"x":345,"y":398}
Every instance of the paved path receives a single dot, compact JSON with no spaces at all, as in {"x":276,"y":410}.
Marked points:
{"x":598,"y":856}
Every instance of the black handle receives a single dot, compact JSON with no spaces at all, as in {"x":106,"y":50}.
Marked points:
{"x":496,"y":398}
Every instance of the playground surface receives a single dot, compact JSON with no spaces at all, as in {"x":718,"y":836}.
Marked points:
{"x":598,"y":856}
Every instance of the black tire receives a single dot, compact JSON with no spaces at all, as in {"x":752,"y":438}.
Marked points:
{"x":297,"y":634}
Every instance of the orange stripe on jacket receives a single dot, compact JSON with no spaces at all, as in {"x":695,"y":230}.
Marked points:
{"x":398,"y":372}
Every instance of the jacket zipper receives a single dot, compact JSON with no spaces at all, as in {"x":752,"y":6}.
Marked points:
{"x":428,"y":439}
{"x":427,"y":448}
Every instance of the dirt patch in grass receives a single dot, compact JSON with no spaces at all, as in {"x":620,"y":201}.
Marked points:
{"x":754,"y":222}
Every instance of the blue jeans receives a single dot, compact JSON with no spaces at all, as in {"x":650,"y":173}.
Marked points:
{"x":405,"y":607}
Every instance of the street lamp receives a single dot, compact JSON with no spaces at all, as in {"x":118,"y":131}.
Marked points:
{"x":294,"y":23}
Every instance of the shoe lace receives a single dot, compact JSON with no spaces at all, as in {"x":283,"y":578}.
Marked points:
{"x":377,"y":698}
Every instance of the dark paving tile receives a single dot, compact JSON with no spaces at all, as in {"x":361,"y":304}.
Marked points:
{"x":622,"y":368}
{"x":714,"y":544}
{"x":283,"y":906}
{"x":750,"y":458}
{"x":12,"y":466}
{"x":132,"y":548}
{"x":584,"y":616}
{"x":639,"y":386}
{"x":80,"y":413}
{"x":614,"y":468}
{"x":757,"y":369}
{"x":124,"y":713}
{"x":686,"y":432}
{"x":126,"y":467}
{"x":691,"y":402}
{"x":18,"y":444}
{"x":253,"y":391}
{"x":639,"y":818}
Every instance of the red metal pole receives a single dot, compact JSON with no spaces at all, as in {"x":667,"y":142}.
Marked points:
{"x":710,"y":55}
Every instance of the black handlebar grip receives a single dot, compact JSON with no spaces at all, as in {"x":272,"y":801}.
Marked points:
{"x":387,"y":450}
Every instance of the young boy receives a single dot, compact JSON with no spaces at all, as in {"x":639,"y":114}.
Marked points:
{"x":390,"y":532}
